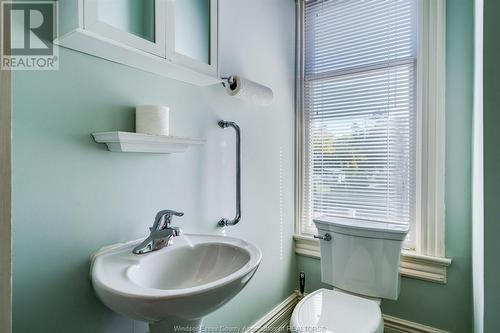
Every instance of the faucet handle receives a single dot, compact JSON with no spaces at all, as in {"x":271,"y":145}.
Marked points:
{"x":167,"y":215}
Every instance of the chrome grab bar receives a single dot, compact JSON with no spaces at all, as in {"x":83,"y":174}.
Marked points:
{"x":225,"y":222}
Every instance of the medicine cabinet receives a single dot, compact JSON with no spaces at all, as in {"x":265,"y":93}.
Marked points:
{"x":173,"y":38}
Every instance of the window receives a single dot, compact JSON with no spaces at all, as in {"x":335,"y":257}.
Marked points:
{"x":371,"y":115}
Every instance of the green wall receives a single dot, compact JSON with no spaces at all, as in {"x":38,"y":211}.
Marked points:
{"x":71,"y":196}
{"x":491,"y":137}
{"x":448,"y":306}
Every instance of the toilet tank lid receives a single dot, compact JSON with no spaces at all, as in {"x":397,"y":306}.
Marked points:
{"x":362,"y":228}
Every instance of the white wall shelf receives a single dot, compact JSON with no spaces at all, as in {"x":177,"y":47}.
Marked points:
{"x":144,"y":143}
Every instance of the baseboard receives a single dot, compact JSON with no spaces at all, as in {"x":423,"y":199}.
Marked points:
{"x":397,"y":325}
{"x":277,"y":320}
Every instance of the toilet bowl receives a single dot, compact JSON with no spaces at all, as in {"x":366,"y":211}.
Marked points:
{"x":334,"y":311}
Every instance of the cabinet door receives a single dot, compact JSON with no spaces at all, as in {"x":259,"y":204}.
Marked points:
{"x":139,"y":24}
{"x":192,"y":34}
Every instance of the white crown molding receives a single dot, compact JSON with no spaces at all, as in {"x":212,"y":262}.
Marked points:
{"x":412,"y":265}
{"x":278,"y":319}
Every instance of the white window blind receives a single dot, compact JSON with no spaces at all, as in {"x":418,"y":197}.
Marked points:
{"x":359,"y":111}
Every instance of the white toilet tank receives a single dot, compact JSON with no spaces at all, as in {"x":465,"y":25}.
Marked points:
{"x":362,"y":256}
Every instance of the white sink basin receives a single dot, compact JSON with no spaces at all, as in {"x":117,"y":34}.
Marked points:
{"x":177,"y":285}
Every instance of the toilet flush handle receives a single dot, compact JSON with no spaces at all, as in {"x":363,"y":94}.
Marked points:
{"x":327,"y":237}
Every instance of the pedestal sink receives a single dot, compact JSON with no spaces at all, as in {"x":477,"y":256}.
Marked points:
{"x":175,"y":287}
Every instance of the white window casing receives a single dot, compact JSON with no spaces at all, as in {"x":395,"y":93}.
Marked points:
{"x":431,"y":128}
{"x":424,"y":253}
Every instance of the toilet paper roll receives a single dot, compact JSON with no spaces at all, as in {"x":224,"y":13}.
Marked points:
{"x":152,"y":119}
{"x":247,"y":90}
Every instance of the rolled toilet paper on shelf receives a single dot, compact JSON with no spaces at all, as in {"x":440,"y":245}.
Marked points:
{"x":247,"y":90}
{"x":152,"y":119}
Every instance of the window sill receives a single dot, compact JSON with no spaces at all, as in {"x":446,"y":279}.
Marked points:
{"x":413,"y":265}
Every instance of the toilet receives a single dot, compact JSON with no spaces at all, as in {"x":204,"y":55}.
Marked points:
{"x":360,"y":259}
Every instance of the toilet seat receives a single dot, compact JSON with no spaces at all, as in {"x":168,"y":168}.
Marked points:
{"x":332,"y":311}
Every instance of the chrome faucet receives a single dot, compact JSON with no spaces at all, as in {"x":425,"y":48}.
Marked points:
{"x":160,"y":233}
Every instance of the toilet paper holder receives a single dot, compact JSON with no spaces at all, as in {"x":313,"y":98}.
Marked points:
{"x":247,"y":90}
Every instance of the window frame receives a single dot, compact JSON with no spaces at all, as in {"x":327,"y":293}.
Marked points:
{"x":427,"y":260}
